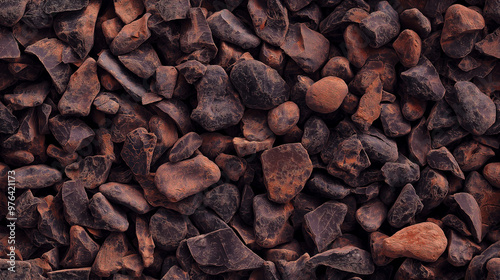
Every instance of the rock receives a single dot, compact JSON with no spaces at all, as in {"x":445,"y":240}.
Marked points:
{"x":128,"y":10}
{"x":76,"y":204}
{"x":427,"y":243}
{"x":271,"y":224}
{"x":185,"y":147}
{"x":259,"y":86}
{"x":315,"y":135}
{"x":408,"y":47}
{"x":178,"y":111}
{"x":218,"y":104}
{"x":73,"y":134}
{"x":323,"y":224}
{"x":167,"y":228}
{"x":393,"y":122}
{"x":9,"y":123}
{"x":456,"y":224}
{"x":442,"y":159}
{"x":432,"y":188}
{"x":441,"y":116}
{"x":270,"y":20}
{"x":326,"y":95}
{"x":191,"y":70}
{"x":234,"y":167}
{"x":112,"y":218}
{"x":172,"y":9}
{"x":196,"y":37}
{"x":350,"y":157}
{"x":382,"y":25}
{"x":308,"y":48}
{"x":126,"y":195}
{"x":414,"y":19}
{"x":77,"y":28}
{"x":74,"y":273}
{"x":82,"y":89}
{"x":109,"y":259}
{"x":338,"y":66}
{"x":131,"y":36}
{"x":51,"y":222}
{"x":137,"y":151}
{"x":26,"y":208}
{"x":404,"y":209}
{"x":477,"y":267}
{"x":106,"y":102}
{"x":166,"y":79}
{"x":461,"y":26}
{"x":221,"y":251}
{"x":369,"y":105}
{"x":298,"y":269}
{"x":36,"y":176}
{"x":486,"y":196}
{"x":283,"y":117}
{"x":475,"y":111}
{"x":414,"y":269}
{"x":378,"y":147}
{"x":244,"y":147}
{"x":371,"y":215}
{"x":423,"y":82}
{"x":11,"y":49}
{"x":49,"y":52}
{"x":357,"y":46}
{"x":58,"y":6}
{"x":224,"y":200}
{"x":92,"y":171}
{"x":469,"y":210}
{"x":326,"y":186}
{"x":461,"y":250}
{"x":229,"y":28}
{"x":413,"y":108}
{"x":254,"y":125}
{"x":171,"y":179}
{"x":376,"y":247}
{"x":82,"y":249}
{"x":286,"y":169}
{"x":488,"y":45}
{"x":177,"y":273}
{"x":491,"y":172}
{"x":143,"y":61}
{"x":348,"y":258}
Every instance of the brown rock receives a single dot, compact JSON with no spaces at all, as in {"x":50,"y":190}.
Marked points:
{"x":185,"y":147}
{"x":424,"y":241}
{"x":414,"y":269}
{"x":460,"y":249}
{"x":128,"y":10}
{"x":416,"y":21}
{"x":193,"y":175}
{"x":492,"y":173}
{"x":9,"y":121}
{"x":376,"y":248}
{"x":176,"y":273}
{"x":229,"y":28}
{"x":382,"y":25}
{"x":244,"y":147}
{"x":369,"y":105}
{"x":11,"y":49}
{"x":112,"y":218}
{"x":350,"y":157}
{"x":470,"y":211}
{"x":196,"y":37}
{"x":131,"y":36}
{"x":348,"y":258}
{"x":137,"y":151}
{"x":82,"y":250}
{"x":74,"y":273}
{"x":404,"y":209}
{"x":82,"y":89}
{"x":471,"y":155}
{"x":326,"y":95}
{"x":338,"y":66}
{"x":442,"y":159}
{"x":323,"y":224}
{"x":441,"y":116}
{"x":270,"y":20}
{"x":109,"y":259}
{"x":142,"y":61}
{"x":126,"y":195}
{"x":26,"y":208}
{"x":456,"y":224}
{"x":51,"y":222}
{"x":168,"y":228}
{"x":272,"y":56}
{"x":489,"y":45}
{"x":106,"y":102}
{"x":232,"y":166}
{"x":358,"y":50}
{"x":254,"y":125}
{"x":413,"y":108}
{"x":371,"y":215}
{"x":423,"y":82}
{"x":271,"y":224}
{"x":191,"y":70}
{"x":476,"y":269}
{"x":461,"y":25}
{"x":315,"y":136}
{"x":166,"y":79}
{"x":432,"y":188}
{"x":36,"y":176}
{"x":408,"y":47}
{"x":73,"y":134}
{"x":57,"y":6}
{"x":286,"y":169}
{"x":283,"y":117}
{"x":145,"y":242}
{"x":224,"y":200}
{"x":178,"y":111}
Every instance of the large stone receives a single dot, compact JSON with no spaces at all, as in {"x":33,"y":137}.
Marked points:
{"x":82,"y":250}
{"x":469,"y":210}
{"x":326,"y":95}
{"x":270,"y":20}
{"x":423,"y":82}
{"x":271,"y":224}
{"x":404,"y":209}
{"x":286,"y":169}
{"x":168,"y":228}
{"x":131,"y":36}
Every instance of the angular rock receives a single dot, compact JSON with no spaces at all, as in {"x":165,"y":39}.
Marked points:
{"x":168,"y":228}
{"x":326,"y":95}
{"x":271,"y":224}
{"x":143,"y":61}
{"x":179,"y":180}
{"x":126,"y":195}
{"x":77,"y":28}
{"x":244,"y":147}
{"x":254,"y":125}
{"x":456,"y":224}
{"x":112,"y":218}
{"x":470,"y":211}
{"x":128,"y":10}
{"x":76,"y":204}
{"x":489,"y":45}
{"x":109,"y":259}
{"x":137,"y":151}
{"x":424,"y":241}
{"x":308,"y":48}
{"x":382,"y":25}
{"x":323,"y":224}
{"x":73,"y":134}
{"x":477,"y":267}
{"x":393,"y":122}
{"x":10,"y":47}
{"x":221,"y":251}
{"x":36,"y":176}
{"x":224,"y":200}
{"x":408,"y":47}
{"x":259,"y":86}
{"x":414,"y":269}
{"x":131,"y":36}
{"x":376,"y":247}
{"x":145,"y":242}
{"x":270,"y":20}
{"x":315,"y":136}
{"x":286,"y":169}
{"x":475,"y":111}
{"x":432,"y":188}
{"x":298,"y":269}
{"x":26,"y":208}
{"x":404,"y":209}
{"x":441,"y":116}
{"x":51,"y":222}
{"x":178,"y":111}
{"x":423,"y":81}
{"x":82,"y":249}
{"x":177,"y":273}
{"x":338,"y":66}
{"x":283,"y":117}
{"x":58,"y":6}
{"x":82,"y":89}
{"x":461,"y":250}
{"x":106,"y":102}
{"x":414,"y":19}
{"x":191,"y":70}
{"x":165,"y":80}
{"x":348,"y":258}
{"x":371,"y":215}
{"x":357,"y":46}
{"x":326,"y":186}
{"x":92,"y":171}
{"x":378,"y":147}
{"x":9,"y":122}
{"x":229,"y":28}
{"x":74,"y":273}
{"x":196,"y":37}
{"x":350,"y":157}
{"x":185,"y":147}
{"x":219,"y":106}
{"x":232,"y":166}
{"x":442,"y":159}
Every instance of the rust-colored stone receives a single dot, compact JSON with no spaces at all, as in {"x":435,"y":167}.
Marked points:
{"x":283,"y":117}
{"x":131,"y":36}
{"x":271,"y":224}
{"x":142,"y":61}
{"x":326,"y":95}
{"x":408,"y":47}
{"x":109,"y":259}
{"x":128,"y":10}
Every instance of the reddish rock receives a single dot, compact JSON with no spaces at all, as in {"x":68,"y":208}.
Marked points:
{"x":393,"y":122}
{"x":371,"y":215}
{"x":338,"y":66}
{"x":286,"y":169}
{"x":270,"y":20}
{"x":271,"y":224}
{"x":298,"y":269}
{"x":131,"y":36}
{"x":51,"y":222}
{"x":326,"y":95}
{"x":137,"y":151}
{"x":432,"y":188}
{"x":142,"y":61}
{"x":234,"y":167}
{"x":36,"y":176}
{"x":413,"y":108}
{"x":106,"y":102}
{"x":82,"y":249}
{"x":112,"y":218}
{"x":408,"y":47}
{"x":254,"y":125}
{"x":315,"y":136}
{"x":126,"y":195}
{"x":145,"y":243}
{"x":11,"y":49}
{"x":350,"y":157}
{"x":178,"y":111}
{"x":441,"y":116}
{"x":424,"y":241}
{"x":244,"y":147}
{"x":272,"y":56}
{"x":492,"y":173}
{"x":185,"y":147}
{"x":442,"y":159}
{"x":166,"y":79}
{"x":194,"y":175}
{"x":376,"y":247}
{"x":229,"y":28}
{"x":358,"y":50}
{"x":109,"y":259}
{"x":369,"y":105}
{"x":128,"y":10}
{"x":12,"y":12}
{"x":191,"y":70}
{"x":414,"y":19}
{"x":283,"y":117}
{"x":72,"y":133}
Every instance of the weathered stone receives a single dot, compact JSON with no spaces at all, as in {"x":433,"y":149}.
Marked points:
{"x":456,"y":224}
{"x":77,"y":28}
{"x":128,"y":10}
{"x":492,"y":173}
{"x":58,"y":6}
{"x":323,"y":224}
{"x":82,"y":249}
{"x":51,"y":222}
{"x":142,"y":61}
{"x":224,"y":200}
{"x":378,"y":147}
{"x":232,"y":166}
{"x":470,"y":211}
{"x":324,"y":185}
{"x":423,"y":82}
{"x":414,"y":269}
{"x":82,"y":89}
{"x":185,"y":147}
{"x":219,"y":106}
{"x":416,"y":21}
{"x":442,"y":159}
{"x":259,"y":86}
{"x":441,"y":116}
{"x":182,"y":179}
{"x":404,"y":209}
{"x":10,"y":47}
{"x":271,"y":224}
{"x":326,"y":95}
{"x":461,"y":250}
{"x":196,"y":37}
{"x":283,"y":117}
{"x":489,"y":44}
{"x":112,"y":218}
{"x":376,"y":247}
{"x":9,"y":122}
{"x":26,"y":208}
{"x":298,"y":269}
{"x":350,"y":157}
{"x":286,"y":169}
{"x":348,"y":258}
{"x":315,"y":135}
{"x":126,"y":195}
{"x":356,"y":42}
{"x":106,"y":102}
{"x":12,"y":12}
{"x":73,"y":134}
{"x":74,"y":273}
{"x":413,"y":108}
{"x":76,"y":204}
{"x":270,"y":20}
{"x":36,"y":176}
{"x":371,"y":215}
{"x":369,"y":104}
{"x":475,"y":111}
{"x":166,"y":79}
{"x":408,"y":47}
{"x":131,"y":36}
{"x":109,"y":259}
{"x":477,"y":267}
{"x":382,"y":25}
{"x":432,"y":188}
{"x":178,"y":111}
{"x":229,"y":28}
{"x":191,"y":70}
{"x":244,"y":147}
{"x":168,"y":228}
{"x":393,"y":121}
{"x":176,"y":273}
{"x":254,"y":125}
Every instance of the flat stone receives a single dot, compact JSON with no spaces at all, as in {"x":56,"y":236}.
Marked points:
{"x":270,"y":21}
{"x":404,"y":209}
{"x":378,"y":147}
{"x":167,"y":228}
{"x":182,"y":179}
{"x":227,"y":27}
{"x":323,"y":224}
{"x":244,"y":147}
{"x":112,"y":218}
{"x":371,"y":215}
{"x":423,"y":81}
{"x":442,"y":159}
{"x":286,"y":169}
{"x":224,"y":200}
{"x":218,"y":104}
{"x":271,"y":224}
{"x":36,"y":176}
{"x":76,"y":204}
{"x":348,"y":258}
{"x":259,"y":86}
{"x":489,"y":45}
{"x":427,"y":243}
{"x":126,"y":195}
{"x":327,"y":186}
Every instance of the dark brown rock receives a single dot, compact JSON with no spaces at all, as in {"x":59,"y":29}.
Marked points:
{"x":76,"y":204}
{"x":82,"y":89}
{"x":442,"y":159}
{"x":229,"y":28}
{"x":460,"y":249}
{"x":77,"y":28}
{"x":73,"y":134}
{"x":82,"y":250}
{"x":57,"y":6}
{"x":178,"y":111}
{"x":371,"y":215}
{"x":49,"y":52}
{"x":286,"y":169}
{"x":382,"y":25}
{"x":378,"y":147}
{"x":491,"y":172}
{"x":298,"y":269}
{"x":404,"y":209}
{"x":128,"y":10}
{"x":10,"y":47}
{"x":270,"y":20}
{"x":456,"y":224}
{"x":92,"y":170}
{"x":26,"y":208}
{"x":221,"y":251}
{"x":376,"y":247}
{"x":106,"y":102}
{"x":357,"y":47}
{"x":323,"y":224}
{"x":131,"y":36}
{"x":126,"y":195}
{"x":185,"y":147}
{"x":168,"y":228}
{"x":338,"y":66}
{"x":51,"y":223}
{"x":192,"y":70}
{"x":432,"y":188}
{"x":36,"y":176}
{"x":415,"y":20}
{"x":489,"y":44}
{"x":203,"y":173}
{"x":408,"y":47}
{"x":477,"y":267}
{"x":166,"y":79}
{"x":232,"y":166}
{"x":259,"y":86}
{"x":315,"y":135}
{"x":219,"y":106}
{"x":271,"y":224}
{"x":326,"y":186}
{"x":441,"y":116}
{"x":142,"y":61}
{"x":350,"y":157}
{"x":470,"y":211}
{"x":254,"y":125}
{"x":493,"y":267}
{"x":419,"y":143}
{"x":413,"y":269}
{"x":283,"y":117}
{"x":196,"y":37}
{"x":12,"y":12}
{"x":369,"y":104}
{"x":137,"y":151}
{"x":112,"y":218}
{"x":9,"y":121}
{"x":423,"y":81}
{"x":224,"y":200}
{"x":74,"y":273}
{"x":348,"y":258}
{"x":413,"y":108}
{"x":176,"y":273}
{"x":447,"y":136}
{"x":109,"y":259}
